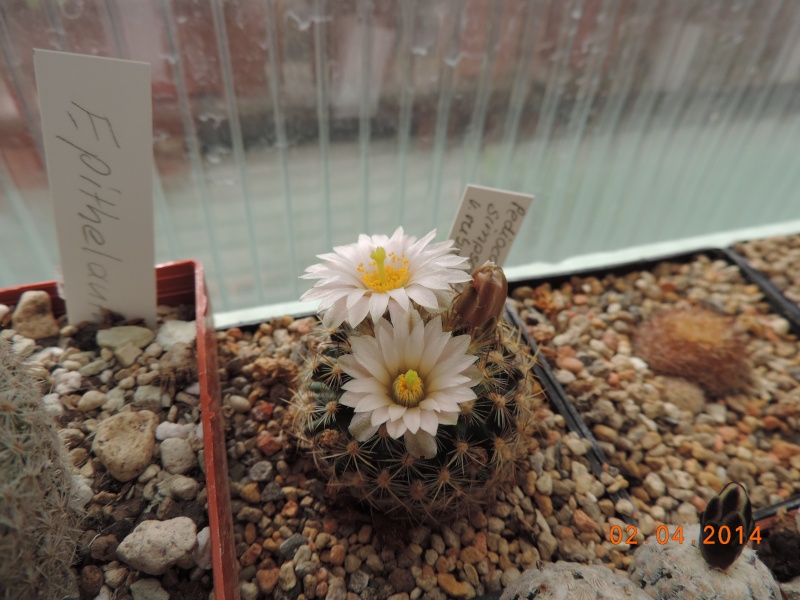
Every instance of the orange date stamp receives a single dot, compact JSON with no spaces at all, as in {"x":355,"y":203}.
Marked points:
{"x":711,"y":535}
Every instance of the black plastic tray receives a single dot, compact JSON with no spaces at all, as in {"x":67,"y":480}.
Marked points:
{"x":777,"y":301}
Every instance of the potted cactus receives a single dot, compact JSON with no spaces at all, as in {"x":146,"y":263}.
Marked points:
{"x":415,"y":392}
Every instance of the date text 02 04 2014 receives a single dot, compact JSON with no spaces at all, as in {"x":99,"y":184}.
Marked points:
{"x":711,"y":535}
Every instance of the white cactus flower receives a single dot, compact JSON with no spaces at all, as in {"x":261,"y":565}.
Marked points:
{"x":411,"y":376}
{"x":380,"y":272}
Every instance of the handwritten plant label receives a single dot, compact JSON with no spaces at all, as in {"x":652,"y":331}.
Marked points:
{"x":97,"y":127}
{"x":487,"y":223}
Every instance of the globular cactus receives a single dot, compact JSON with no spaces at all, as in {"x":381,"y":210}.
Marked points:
{"x":38,"y":527}
{"x":697,"y":344}
{"x":697,"y":565}
{"x":419,"y":415}
{"x":572,"y":581}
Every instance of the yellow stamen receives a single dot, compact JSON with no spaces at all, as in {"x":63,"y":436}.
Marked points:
{"x":408,"y":389}
{"x":390,"y":271}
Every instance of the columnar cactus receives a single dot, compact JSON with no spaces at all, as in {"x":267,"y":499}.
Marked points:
{"x":38,"y":533}
{"x":699,"y":566}
{"x":417,"y":410}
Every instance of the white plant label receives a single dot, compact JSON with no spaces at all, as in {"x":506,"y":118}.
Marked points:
{"x":487,"y":223}
{"x":97,"y":128}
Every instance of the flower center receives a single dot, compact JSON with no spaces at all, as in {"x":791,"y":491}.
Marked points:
{"x":408,"y":389}
{"x":385,"y":272}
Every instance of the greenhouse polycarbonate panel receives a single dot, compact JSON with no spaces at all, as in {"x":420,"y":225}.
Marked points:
{"x":283,"y":128}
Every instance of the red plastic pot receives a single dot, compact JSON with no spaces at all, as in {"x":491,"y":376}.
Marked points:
{"x":177,"y":283}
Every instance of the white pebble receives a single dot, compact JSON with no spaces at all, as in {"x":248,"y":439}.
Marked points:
{"x":177,"y":455}
{"x":167,"y":430}
{"x":202,"y":553}
{"x":193,"y":388}
{"x":53,"y":405}
{"x":68,"y":382}
{"x":104,"y":594}
{"x":176,"y":332}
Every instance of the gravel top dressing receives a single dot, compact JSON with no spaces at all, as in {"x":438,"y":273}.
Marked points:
{"x":125,"y":403}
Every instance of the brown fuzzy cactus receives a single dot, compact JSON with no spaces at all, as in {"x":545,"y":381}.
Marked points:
{"x":696,"y":344}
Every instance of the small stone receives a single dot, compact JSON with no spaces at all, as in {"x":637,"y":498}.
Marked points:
{"x":202,"y":552}
{"x":117,"y":337}
{"x":68,"y":383}
{"x":358,"y":582}
{"x":239,"y":404}
{"x":570,"y":363}
{"x":104,"y":547}
{"x":53,"y":405}
{"x":289,"y":547}
{"x":124,"y":443}
{"x":126,"y":355}
{"x":267,"y":579}
{"x":625,"y":507}
{"x":287,"y":577}
{"x":80,"y":493}
{"x":583,"y":521}
{"x":250,"y":492}
{"x":91,"y":400}
{"x":352,"y":563}
{"x":268,"y":443}
{"x":147,"y":396}
{"x":337,"y":554}
{"x":251,"y":555}
{"x":154,"y":546}
{"x":33,"y":316}
{"x":176,"y":332}
{"x":272,"y":493}
{"x":290,"y":509}
{"x":261,"y":471}
{"x":544,"y":484}
{"x":471,"y":555}
{"x":91,"y":580}
{"x":177,"y":456}
{"x":654,"y":485}
{"x":402,"y":580}
{"x":93,"y":368}
{"x":167,"y":430}
{"x":248,"y":590}
{"x":179,"y":487}
{"x":336,"y":589}
{"x":148,"y":589}
{"x":453,"y":587}
{"x":605,"y":433}
{"x":116,"y":576}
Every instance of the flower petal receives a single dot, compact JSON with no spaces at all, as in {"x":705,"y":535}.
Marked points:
{"x":422,"y":296}
{"x":380,"y":415}
{"x":377,"y":305}
{"x":358,"y":311}
{"x":361,"y":427}
{"x":412,"y":418}
{"x":395,"y":428}
{"x":371,"y":402}
{"x":448,"y":418}
{"x":429,"y":421}
{"x":420,"y":445}
{"x":396,"y":411}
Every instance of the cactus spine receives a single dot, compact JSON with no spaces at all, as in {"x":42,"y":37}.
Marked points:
{"x":38,"y":533}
